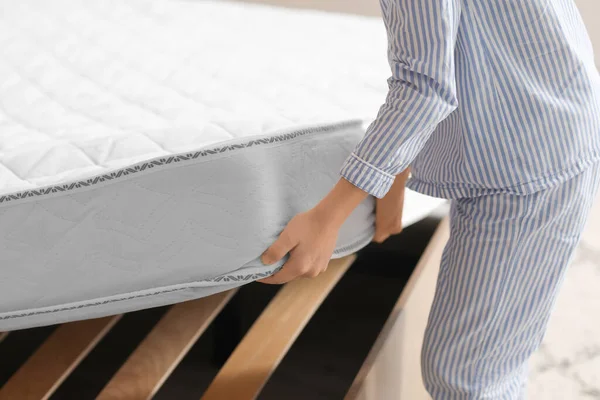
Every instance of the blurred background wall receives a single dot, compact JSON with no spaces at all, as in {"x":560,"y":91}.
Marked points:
{"x":590,"y":9}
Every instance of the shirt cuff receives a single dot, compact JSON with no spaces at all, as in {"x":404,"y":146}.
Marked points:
{"x":366,"y":176}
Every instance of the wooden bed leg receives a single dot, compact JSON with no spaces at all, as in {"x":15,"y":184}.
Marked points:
{"x":160,"y":352}
{"x":54,"y":360}
{"x":270,"y":337}
{"x":3,"y":336}
{"x":392,"y":369}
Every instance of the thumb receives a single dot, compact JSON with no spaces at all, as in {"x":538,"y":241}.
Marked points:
{"x":279,"y":249}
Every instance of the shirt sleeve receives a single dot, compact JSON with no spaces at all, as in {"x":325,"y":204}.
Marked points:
{"x":422,"y":91}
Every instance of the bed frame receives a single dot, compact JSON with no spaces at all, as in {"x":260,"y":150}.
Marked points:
{"x":391,"y":370}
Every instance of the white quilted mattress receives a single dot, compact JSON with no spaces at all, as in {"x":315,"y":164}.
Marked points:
{"x":151,"y":150}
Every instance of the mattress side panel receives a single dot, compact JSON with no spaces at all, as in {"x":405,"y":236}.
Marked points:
{"x":200,"y":225}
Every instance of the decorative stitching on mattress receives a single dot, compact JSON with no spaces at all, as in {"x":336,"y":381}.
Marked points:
{"x":223,"y":278}
{"x":226,"y":278}
{"x":357,"y":244}
{"x":162,"y":161}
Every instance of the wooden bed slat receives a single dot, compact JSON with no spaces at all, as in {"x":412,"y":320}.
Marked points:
{"x":3,"y":336}
{"x":54,"y":360}
{"x":160,"y":352}
{"x":392,"y":370}
{"x":270,"y":337}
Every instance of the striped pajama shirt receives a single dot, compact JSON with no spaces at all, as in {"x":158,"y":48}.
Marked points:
{"x":494,"y":104}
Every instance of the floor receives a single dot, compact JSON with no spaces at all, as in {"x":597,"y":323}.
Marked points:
{"x":567,"y":365}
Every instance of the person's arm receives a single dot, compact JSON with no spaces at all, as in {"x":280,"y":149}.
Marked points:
{"x":422,"y":92}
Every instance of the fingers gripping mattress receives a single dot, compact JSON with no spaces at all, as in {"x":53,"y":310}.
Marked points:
{"x":150,"y":151}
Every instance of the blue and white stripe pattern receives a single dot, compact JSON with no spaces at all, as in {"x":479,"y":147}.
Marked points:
{"x":486,"y":96}
{"x":500,"y":274}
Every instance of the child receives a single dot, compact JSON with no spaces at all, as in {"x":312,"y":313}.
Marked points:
{"x":494,"y":104}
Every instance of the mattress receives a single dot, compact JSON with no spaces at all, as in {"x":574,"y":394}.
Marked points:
{"x":150,"y":151}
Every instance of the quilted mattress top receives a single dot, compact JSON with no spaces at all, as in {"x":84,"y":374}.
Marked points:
{"x":88,"y":87}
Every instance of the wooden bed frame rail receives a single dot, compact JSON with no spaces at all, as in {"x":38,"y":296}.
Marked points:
{"x":392,"y":370}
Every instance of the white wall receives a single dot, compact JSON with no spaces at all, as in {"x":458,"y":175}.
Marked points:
{"x":590,"y":10}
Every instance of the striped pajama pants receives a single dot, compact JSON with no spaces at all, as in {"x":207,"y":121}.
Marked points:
{"x":500,"y":274}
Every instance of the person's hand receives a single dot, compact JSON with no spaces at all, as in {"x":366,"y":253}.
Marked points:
{"x":310,"y":237}
{"x":388,"y":210}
